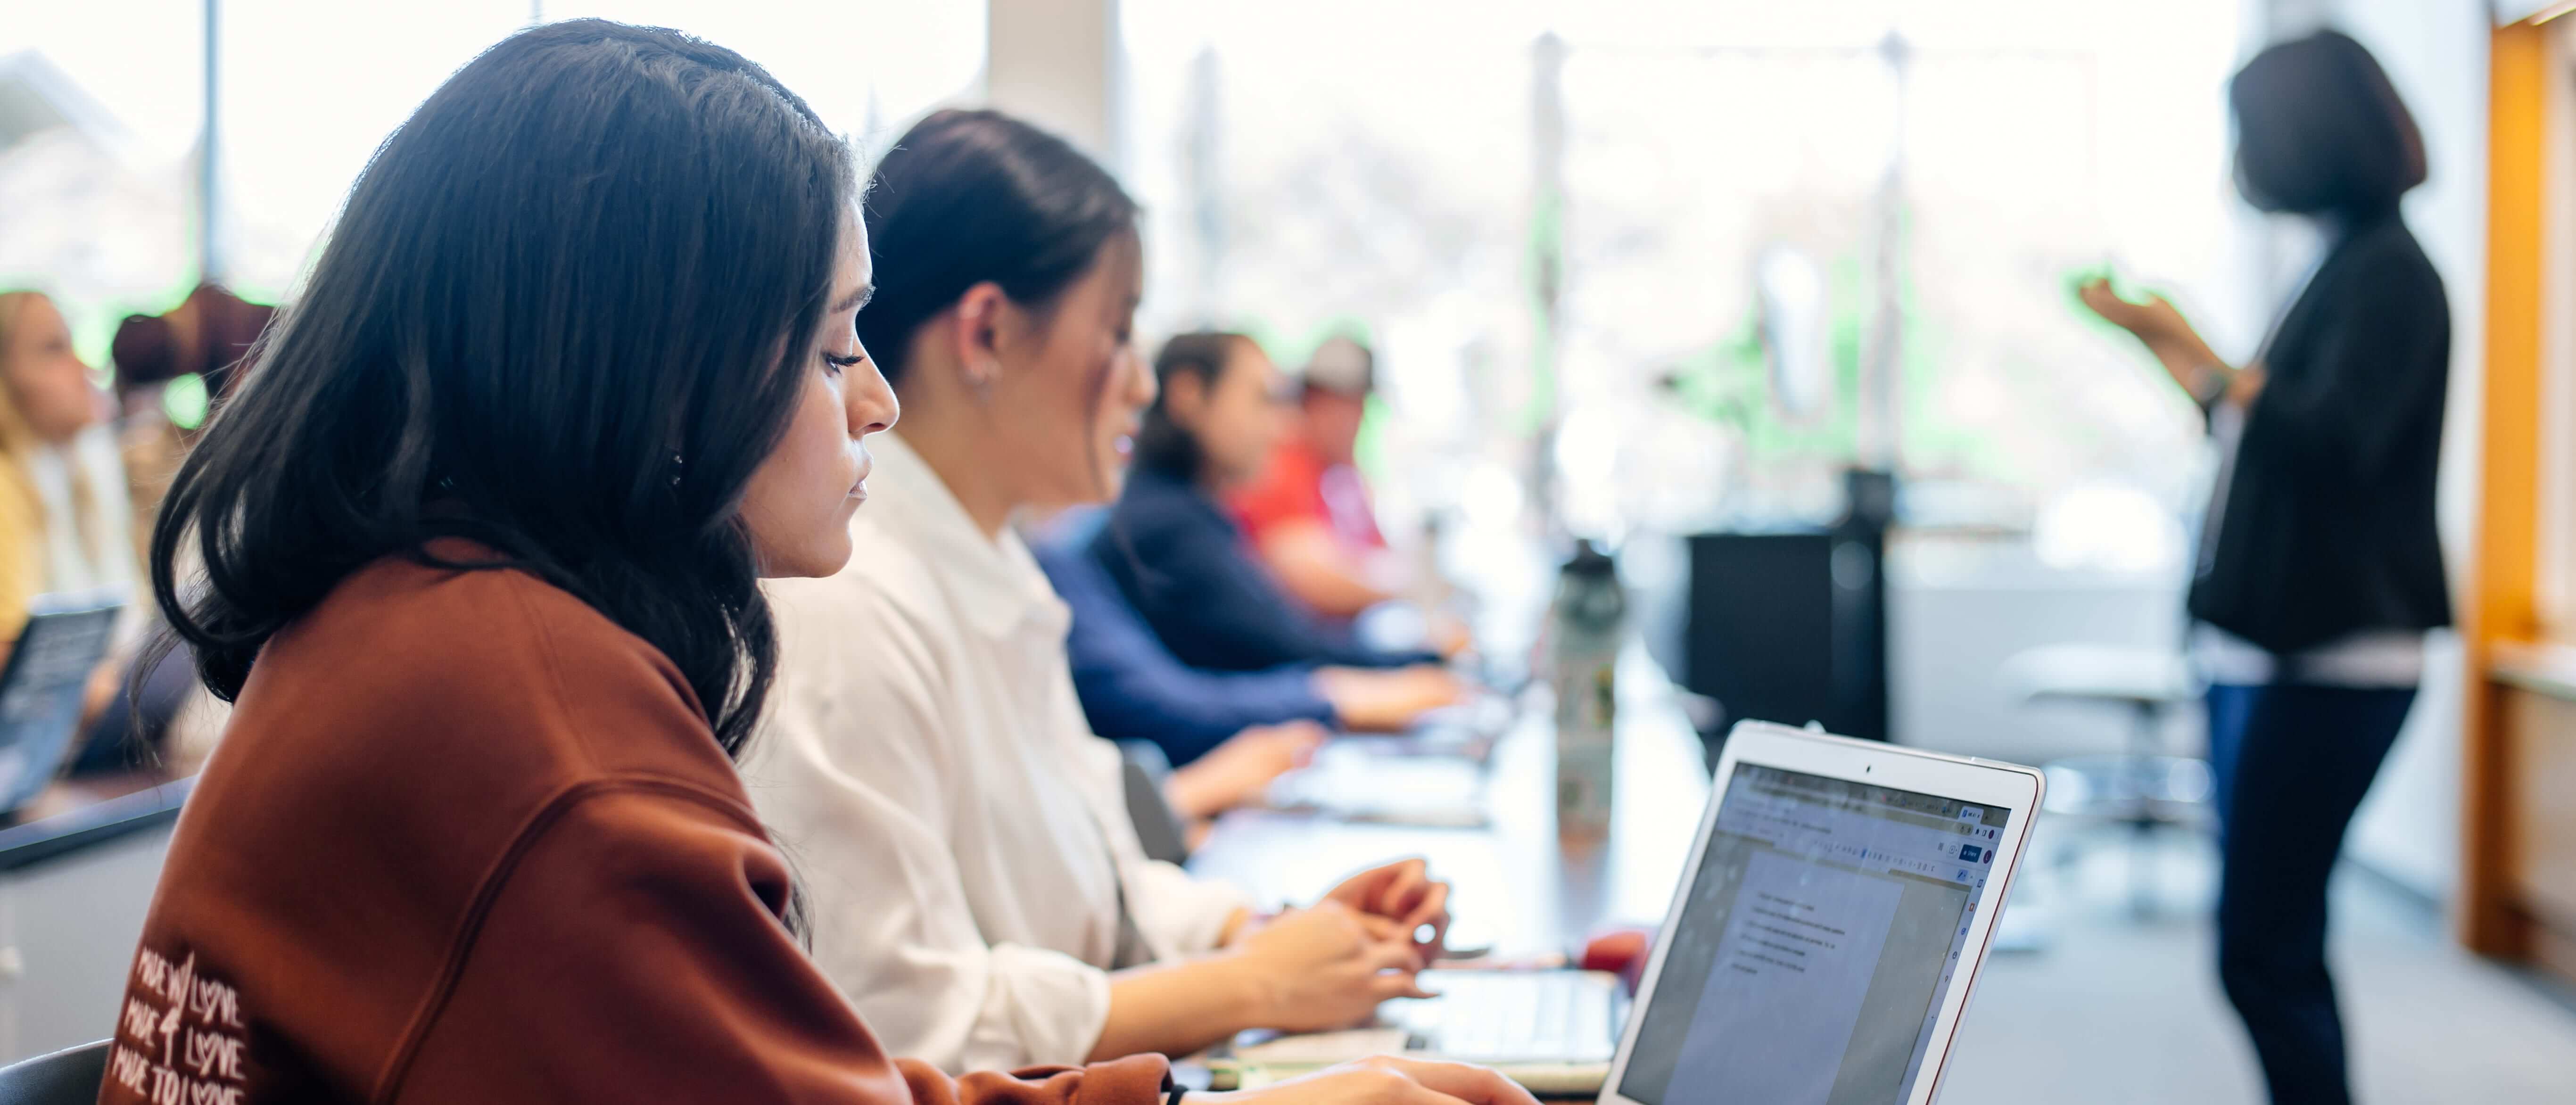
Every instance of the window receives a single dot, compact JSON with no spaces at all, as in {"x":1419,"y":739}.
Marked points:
{"x":99,"y":112}
{"x":306,"y":90}
{"x":310,"y":87}
{"x":1318,"y":168}
{"x":1380,"y":168}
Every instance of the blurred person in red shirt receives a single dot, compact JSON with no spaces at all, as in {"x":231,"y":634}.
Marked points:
{"x":1309,"y":513}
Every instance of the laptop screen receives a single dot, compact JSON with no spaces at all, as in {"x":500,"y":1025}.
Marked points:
{"x":1821,"y":933}
{"x":41,"y":687}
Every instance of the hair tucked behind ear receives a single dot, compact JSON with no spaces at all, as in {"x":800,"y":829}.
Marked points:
{"x":971,"y":197}
{"x":1166,"y":446}
{"x":565,"y":313}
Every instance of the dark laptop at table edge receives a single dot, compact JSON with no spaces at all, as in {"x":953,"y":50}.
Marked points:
{"x":43,"y":685}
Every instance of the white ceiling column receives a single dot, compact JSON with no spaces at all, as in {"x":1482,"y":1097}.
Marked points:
{"x":1056,"y":63}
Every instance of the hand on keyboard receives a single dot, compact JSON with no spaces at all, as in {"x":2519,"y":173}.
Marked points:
{"x":1403,"y":892}
{"x":1386,"y":1080}
{"x":1326,"y":967}
{"x":1511,"y":1016}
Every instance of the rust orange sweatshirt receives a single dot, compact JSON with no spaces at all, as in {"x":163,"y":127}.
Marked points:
{"x":466,"y":840}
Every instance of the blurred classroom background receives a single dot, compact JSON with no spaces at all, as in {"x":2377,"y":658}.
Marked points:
{"x":1752,"y":292}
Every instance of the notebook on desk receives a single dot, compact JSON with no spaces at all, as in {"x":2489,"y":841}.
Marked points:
{"x":1828,"y":928}
{"x":42,"y":687}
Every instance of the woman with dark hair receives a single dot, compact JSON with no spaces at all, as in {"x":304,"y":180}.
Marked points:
{"x":1178,"y":555}
{"x":480,"y":535}
{"x":978,"y":887}
{"x":2320,"y":571}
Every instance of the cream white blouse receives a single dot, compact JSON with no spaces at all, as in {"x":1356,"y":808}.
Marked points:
{"x":951,"y":817}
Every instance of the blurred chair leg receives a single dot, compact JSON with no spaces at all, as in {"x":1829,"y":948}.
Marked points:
{"x":2143,"y":825}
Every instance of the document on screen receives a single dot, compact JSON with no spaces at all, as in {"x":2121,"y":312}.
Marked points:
{"x":1792,"y":972}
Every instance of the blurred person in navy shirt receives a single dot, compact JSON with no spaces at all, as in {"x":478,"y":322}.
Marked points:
{"x":1134,"y":689}
{"x":1175,"y":552}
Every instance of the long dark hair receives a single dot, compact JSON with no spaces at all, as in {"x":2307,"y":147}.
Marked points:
{"x":2321,"y":131}
{"x":966,"y":197}
{"x":1166,"y":446}
{"x":564,"y":314}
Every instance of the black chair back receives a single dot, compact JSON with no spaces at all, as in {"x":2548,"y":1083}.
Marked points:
{"x":1158,"y":826}
{"x":68,"y":1077}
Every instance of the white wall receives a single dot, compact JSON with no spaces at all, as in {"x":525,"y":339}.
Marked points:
{"x":2436,"y":53}
{"x":1055,"y":63}
{"x":1959,"y":613}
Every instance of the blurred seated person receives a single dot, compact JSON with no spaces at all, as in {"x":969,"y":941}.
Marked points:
{"x":974,"y":875}
{"x":1228,"y":733}
{"x":1308,"y":512}
{"x":63,"y":525}
{"x":63,"y":520}
{"x":205,"y":336}
{"x":168,"y":721}
{"x":1180,"y":559}
{"x":109,"y":482}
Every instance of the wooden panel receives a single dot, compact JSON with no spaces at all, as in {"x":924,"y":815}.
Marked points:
{"x":2540,"y":741}
{"x":2502,"y":577}
{"x":2554,"y":953}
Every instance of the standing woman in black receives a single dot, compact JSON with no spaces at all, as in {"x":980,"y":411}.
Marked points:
{"x":2320,"y":571}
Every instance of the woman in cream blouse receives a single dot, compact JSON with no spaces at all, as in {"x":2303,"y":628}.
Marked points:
{"x":973,"y":882}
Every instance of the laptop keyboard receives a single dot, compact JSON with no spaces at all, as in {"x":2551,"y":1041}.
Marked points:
{"x":1507,"y":1016}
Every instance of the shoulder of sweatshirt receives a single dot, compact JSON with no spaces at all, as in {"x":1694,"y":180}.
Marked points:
{"x":417,"y":686}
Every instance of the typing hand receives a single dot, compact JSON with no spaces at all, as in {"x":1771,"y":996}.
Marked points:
{"x":1450,"y":636}
{"x":1386,"y":701}
{"x":1328,"y":967}
{"x":1238,"y":771}
{"x":1386,"y":1080}
{"x":1402,"y":892}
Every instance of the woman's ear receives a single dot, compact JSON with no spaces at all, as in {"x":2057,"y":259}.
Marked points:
{"x":979,"y":337}
{"x":1185,"y":398}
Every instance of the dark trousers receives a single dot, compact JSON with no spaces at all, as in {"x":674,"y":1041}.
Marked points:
{"x":2292,"y":763}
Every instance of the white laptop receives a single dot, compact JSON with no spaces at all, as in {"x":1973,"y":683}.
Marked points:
{"x":1837,"y":903}
{"x":1840,"y":899}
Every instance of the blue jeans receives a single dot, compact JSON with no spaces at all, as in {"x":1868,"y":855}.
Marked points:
{"x":2292,"y":763}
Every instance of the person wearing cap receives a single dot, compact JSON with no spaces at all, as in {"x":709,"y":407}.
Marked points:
{"x":1309,"y":514}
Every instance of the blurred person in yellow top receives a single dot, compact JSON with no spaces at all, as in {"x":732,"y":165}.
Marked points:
{"x":64,"y":524}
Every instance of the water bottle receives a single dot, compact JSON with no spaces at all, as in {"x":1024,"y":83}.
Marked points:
{"x":1587,"y":623}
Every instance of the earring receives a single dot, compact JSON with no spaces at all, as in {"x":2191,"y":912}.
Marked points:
{"x":981,"y":379}
{"x":677,"y":462}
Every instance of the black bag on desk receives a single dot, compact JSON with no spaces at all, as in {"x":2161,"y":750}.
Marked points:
{"x":42,"y":687}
